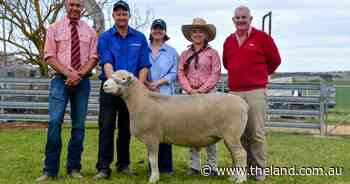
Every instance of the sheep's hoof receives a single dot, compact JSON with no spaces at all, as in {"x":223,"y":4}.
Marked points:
{"x":238,"y":179}
{"x":153,"y":179}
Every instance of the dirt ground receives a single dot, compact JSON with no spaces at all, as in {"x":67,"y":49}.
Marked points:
{"x":17,"y":125}
{"x":332,"y":130}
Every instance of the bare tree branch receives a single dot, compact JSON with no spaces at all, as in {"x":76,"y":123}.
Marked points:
{"x":16,"y":45}
{"x":94,"y":10}
{"x":26,"y":22}
{"x":16,"y":16}
{"x":55,"y":11}
{"x":140,"y":21}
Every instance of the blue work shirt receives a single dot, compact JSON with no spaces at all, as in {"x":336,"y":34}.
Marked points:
{"x":130,"y":53}
{"x":164,"y":66}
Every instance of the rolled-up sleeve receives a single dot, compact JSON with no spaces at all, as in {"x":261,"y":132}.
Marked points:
{"x":144,"y":61}
{"x":93,"y":46}
{"x":104,"y":52}
{"x":214,"y":75}
{"x":50,"y":49}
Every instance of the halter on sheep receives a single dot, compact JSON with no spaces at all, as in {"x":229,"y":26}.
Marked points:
{"x":193,"y":121}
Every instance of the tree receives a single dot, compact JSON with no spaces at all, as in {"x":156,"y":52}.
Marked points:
{"x":26,"y":22}
{"x":139,"y":20}
{"x":93,"y":10}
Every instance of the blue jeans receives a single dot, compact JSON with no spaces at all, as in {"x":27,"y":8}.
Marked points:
{"x":58,"y":99}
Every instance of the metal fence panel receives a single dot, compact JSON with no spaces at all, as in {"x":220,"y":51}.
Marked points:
{"x":14,"y":90}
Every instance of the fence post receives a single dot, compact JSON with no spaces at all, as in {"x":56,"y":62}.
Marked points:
{"x":323,"y":92}
{"x":2,"y":86}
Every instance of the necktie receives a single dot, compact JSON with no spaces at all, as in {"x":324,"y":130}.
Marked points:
{"x":75,"y":47}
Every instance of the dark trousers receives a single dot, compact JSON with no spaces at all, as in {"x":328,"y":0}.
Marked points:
{"x":110,"y":107}
{"x":165,"y":158}
{"x":59,"y":96}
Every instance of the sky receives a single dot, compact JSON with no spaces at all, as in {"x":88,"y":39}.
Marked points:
{"x":312,"y":35}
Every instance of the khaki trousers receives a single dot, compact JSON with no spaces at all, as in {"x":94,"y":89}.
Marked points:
{"x":254,"y":139}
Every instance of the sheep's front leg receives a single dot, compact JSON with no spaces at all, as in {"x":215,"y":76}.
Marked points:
{"x":153,"y":159}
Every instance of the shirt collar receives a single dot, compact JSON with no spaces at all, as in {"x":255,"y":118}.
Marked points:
{"x":131,"y":31}
{"x":164,"y":47}
{"x":68,"y":21}
{"x":190,"y":47}
{"x":248,"y":34}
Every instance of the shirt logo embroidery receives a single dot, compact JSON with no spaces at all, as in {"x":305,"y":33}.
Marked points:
{"x":135,"y":44}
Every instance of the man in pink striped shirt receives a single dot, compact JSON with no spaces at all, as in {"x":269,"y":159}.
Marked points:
{"x":71,"y":50}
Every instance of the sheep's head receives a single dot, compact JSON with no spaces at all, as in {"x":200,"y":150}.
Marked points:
{"x":119,"y":82}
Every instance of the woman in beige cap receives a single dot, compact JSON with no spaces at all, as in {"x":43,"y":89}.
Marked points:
{"x":198,"y":72}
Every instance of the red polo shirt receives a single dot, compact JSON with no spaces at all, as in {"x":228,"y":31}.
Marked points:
{"x":248,"y":66}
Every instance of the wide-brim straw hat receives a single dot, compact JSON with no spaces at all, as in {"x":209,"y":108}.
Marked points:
{"x":199,"y":23}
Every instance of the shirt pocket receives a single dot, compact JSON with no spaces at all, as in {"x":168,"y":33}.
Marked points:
{"x":165,"y":64}
{"x":85,"y":40}
{"x":62,"y":37}
{"x":205,"y":61}
{"x":63,"y":46}
{"x":134,"y":53}
{"x":115,"y":49}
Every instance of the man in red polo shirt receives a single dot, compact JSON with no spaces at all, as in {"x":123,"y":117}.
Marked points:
{"x":250,"y":56}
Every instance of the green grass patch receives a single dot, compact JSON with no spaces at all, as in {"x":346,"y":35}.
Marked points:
{"x":341,"y":112}
{"x":335,"y":118}
{"x":22,"y":154}
{"x":342,"y":98}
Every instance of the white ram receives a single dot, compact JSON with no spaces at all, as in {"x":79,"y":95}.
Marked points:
{"x":192,"y":121}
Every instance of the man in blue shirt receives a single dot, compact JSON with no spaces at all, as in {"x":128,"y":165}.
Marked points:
{"x":120,"y":48}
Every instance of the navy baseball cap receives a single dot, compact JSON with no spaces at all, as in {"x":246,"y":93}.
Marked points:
{"x":159,"y":22}
{"x":121,"y":4}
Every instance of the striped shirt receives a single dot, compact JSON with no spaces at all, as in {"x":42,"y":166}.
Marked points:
{"x":207,"y":74}
{"x":58,"y":42}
